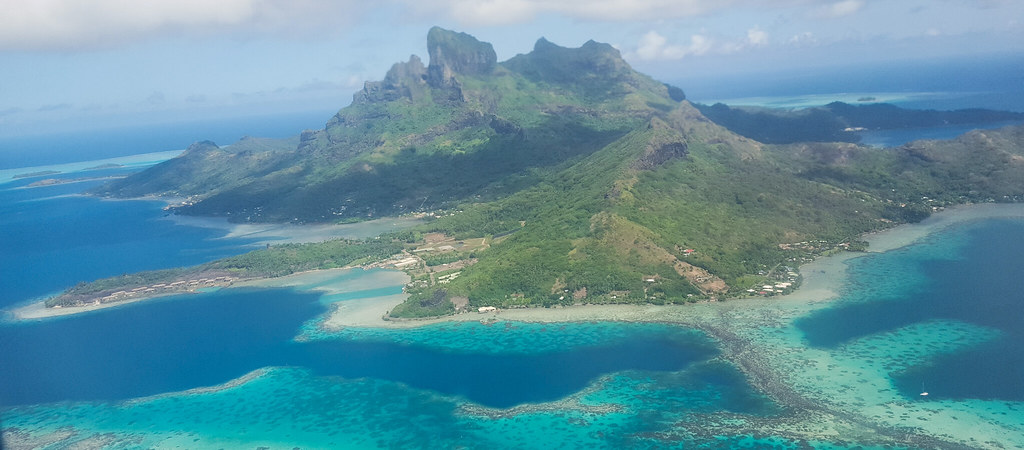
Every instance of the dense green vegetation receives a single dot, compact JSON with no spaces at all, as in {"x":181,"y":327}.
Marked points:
{"x":274,"y":261}
{"x":591,"y":182}
{"x":424,"y":138}
{"x":284,"y":259}
{"x":425,"y":303}
{"x":604,"y":226}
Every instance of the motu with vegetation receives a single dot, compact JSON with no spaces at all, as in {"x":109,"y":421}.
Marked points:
{"x":275,"y":261}
{"x":579,"y":180}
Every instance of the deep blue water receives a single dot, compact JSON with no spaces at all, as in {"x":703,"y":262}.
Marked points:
{"x":193,"y":341}
{"x":894,"y":138}
{"x":982,"y":285}
{"x":51,"y":239}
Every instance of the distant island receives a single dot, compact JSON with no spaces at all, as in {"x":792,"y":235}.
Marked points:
{"x":835,"y":121}
{"x":49,"y":182}
{"x":41,"y":173}
{"x":564,"y":177}
{"x":56,"y":181}
{"x":105,"y":166}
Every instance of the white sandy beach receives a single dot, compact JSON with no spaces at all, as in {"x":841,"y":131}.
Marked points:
{"x":822,"y":279}
{"x":836,"y":394}
{"x":38,"y":310}
{"x":839,"y":394}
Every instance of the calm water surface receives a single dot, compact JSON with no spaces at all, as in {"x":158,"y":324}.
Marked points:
{"x":89,"y":370}
{"x":969,"y":273}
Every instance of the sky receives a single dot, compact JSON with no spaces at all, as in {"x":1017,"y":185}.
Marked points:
{"x":92,"y":63}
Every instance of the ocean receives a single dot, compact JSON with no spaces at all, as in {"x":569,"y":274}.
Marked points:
{"x":239,"y":367}
{"x":968,"y":273}
{"x":53,"y":238}
{"x":246,"y":367}
{"x":61,"y":147}
{"x":991,"y":81}
{"x":982,"y":81}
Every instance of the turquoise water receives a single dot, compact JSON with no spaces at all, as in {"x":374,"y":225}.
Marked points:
{"x":969,"y":273}
{"x":985,"y":80}
{"x":180,"y":343}
{"x":249,"y":368}
{"x":295,"y":408}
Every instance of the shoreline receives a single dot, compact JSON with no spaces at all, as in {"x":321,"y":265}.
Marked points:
{"x":38,"y":311}
{"x":818,"y":400}
{"x":822,"y":278}
{"x":756,"y":336}
{"x":138,"y":160}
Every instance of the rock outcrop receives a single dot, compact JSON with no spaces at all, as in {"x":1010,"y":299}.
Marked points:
{"x":406,"y":80}
{"x":457,"y":53}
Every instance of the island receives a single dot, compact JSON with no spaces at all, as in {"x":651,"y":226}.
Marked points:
{"x":41,"y":173}
{"x":840,"y":122}
{"x":563,"y":186}
{"x":559,"y":177}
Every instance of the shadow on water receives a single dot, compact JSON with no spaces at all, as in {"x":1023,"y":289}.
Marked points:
{"x":175,"y":344}
{"x":982,"y":286}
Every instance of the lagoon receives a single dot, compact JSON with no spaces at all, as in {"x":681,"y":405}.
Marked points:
{"x":964,"y":274}
{"x":180,"y":343}
{"x":839,"y":363}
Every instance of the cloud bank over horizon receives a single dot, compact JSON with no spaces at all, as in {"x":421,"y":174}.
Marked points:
{"x":73,"y":25}
{"x":77,"y":25}
{"x":96,"y":57}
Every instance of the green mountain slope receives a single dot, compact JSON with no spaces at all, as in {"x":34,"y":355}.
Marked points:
{"x":429,"y":137}
{"x":587,"y":181}
{"x":681,"y":210}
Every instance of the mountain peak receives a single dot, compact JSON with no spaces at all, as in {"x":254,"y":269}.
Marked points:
{"x":403,"y":80}
{"x":553,"y":62}
{"x":543,"y":44}
{"x":457,"y":53}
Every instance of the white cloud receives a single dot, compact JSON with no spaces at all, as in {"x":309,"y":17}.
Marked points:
{"x":756,"y":37}
{"x":839,"y":9}
{"x":76,"y":24}
{"x":493,"y":12}
{"x":501,"y":12}
{"x":354,"y":82}
{"x":655,"y":47}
